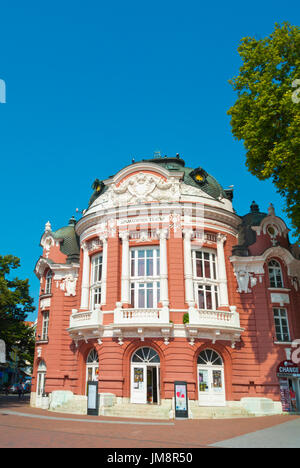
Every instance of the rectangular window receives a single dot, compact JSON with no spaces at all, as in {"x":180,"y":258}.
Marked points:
{"x":144,"y":262}
{"x":45,"y":326}
{"x":281,"y":325}
{"x":145,"y":295}
{"x":145,"y":271}
{"x":96,"y":269}
{"x":207,"y":297}
{"x":96,"y":297}
{"x":204,"y":265}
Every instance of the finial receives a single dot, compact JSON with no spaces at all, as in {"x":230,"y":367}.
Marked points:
{"x":271,"y":210}
{"x":254,"y":207}
{"x":72,"y":221}
{"x":48,"y":227}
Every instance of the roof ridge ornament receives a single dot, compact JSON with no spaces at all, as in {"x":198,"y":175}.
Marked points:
{"x":271,"y":210}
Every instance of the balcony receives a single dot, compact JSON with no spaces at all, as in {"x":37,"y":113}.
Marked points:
{"x":214,"y":325}
{"x":142,"y":323}
{"x":141,"y":316}
{"x":85,"y":322}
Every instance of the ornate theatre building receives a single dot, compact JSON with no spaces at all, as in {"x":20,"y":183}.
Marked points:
{"x":161,"y":281}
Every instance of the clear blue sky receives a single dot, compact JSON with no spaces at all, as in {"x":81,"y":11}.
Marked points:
{"x":91,"y":84}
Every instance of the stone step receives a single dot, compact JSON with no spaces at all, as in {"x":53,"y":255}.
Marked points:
{"x":137,"y":411}
{"x":218,"y":412}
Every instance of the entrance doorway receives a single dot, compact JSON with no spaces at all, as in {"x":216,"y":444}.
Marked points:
{"x":41,"y":380}
{"x":145,"y":376}
{"x":92,"y":367}
{"x":294,"y":389}
{"x":211,"y":385}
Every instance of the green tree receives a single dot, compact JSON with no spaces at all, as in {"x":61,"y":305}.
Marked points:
{"x":266,"y":114}
{"x":15,"y":304}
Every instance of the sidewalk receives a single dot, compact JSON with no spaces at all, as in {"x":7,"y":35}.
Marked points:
{"x":23,"y":426}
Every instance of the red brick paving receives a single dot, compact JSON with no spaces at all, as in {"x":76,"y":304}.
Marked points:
{"x":17,"y":431}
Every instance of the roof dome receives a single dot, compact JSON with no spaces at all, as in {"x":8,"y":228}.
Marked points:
{"x":197,"y":178}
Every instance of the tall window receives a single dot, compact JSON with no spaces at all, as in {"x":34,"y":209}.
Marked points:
{"x":48,"y":284}
{"x":96,"y":277}
{"x":281,"y":324}
{"x":275,"y":274}
{"x":45,"y":326}
{"x":145,"y":271}
{"x":205,"y":280}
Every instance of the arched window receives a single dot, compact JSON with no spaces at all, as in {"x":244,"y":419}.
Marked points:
{"x":146,"y":356}
{"x":209,"y":357}
{"x":48,"y":284}
{"x":275,"y":274}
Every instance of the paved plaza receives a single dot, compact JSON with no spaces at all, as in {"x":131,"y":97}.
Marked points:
{"x":23,"y":426}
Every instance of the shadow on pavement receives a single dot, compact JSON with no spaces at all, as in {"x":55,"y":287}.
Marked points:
{"x":13,"y":401}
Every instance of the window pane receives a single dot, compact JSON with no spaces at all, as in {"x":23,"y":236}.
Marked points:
{"x":149,"y":267}
{"x":141,"y":296}
{"x":201,"y":299}
{"x":199,"y":269}
{"x":208,"y":298}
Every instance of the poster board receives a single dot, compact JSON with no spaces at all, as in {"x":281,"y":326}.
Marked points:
{"x":181,"y":400}
{"x":93,"y":400}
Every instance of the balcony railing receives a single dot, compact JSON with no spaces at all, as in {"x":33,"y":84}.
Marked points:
{"x":218,"y":318}
{"x":86,"y":319}
{"x":141,"y":316}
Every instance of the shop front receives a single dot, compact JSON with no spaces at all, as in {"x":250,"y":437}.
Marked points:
{"x":288,"y":374}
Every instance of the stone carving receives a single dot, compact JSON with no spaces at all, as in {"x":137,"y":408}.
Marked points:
{"x":69,"y":285}
{"x":143,"y":187}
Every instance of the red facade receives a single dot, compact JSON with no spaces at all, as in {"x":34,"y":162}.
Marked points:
{"x":161,"y":262}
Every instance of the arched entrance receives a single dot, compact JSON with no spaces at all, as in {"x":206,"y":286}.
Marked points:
{"x":92,"y":367}
{"x":145,"y":376}
{"x":41,"y":380}
{"x":210,"y":375}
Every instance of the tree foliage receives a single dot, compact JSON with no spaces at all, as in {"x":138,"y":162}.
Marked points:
{"x":266,"y":114}
{"x":15,"y":304}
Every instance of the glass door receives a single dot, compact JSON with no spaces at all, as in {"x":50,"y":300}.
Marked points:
{"x":211,"y":386}
{"x":40,"y":388}
{"x":138,"y":383}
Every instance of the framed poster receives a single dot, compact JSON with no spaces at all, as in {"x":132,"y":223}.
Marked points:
{"x":181,"y":400}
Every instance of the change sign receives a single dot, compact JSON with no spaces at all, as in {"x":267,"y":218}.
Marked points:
{"x":288,"y":369}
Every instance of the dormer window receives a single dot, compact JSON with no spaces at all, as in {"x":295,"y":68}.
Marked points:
{"x":275,"y":274}
{"x":48,"y":284}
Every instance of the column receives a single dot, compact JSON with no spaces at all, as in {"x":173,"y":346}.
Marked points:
{"x":188,"y":267}
{"x":125,"y":277}
{"x":221,"y":238}
{"x":104,"y":269}
{"x":85,"y":284}
{"x":164,"y":293}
